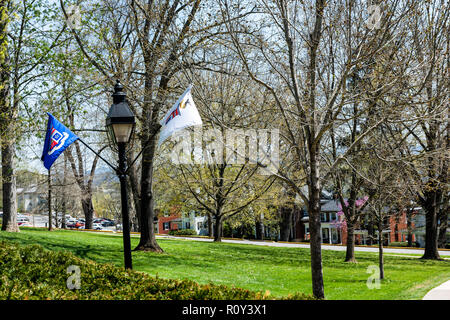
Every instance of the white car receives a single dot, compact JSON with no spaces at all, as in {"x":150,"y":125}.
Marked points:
{"x":97,"y":226}
{"x":22,"y":222}
{"x":22,"y":216}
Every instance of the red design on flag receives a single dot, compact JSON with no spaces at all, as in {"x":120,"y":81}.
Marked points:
{"x":55,"y":138}
{"x":175,"y":113}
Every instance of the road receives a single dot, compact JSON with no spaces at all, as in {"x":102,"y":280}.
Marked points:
{"x":41,"y":221}
{"x":443,"y":253}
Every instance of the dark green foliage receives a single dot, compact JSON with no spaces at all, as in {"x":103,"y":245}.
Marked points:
{"x":183,"y":232}
{"x":32,"y":272}
{"x":398,"y":244}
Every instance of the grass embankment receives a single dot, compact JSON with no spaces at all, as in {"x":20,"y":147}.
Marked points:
{"x":282,"y":271}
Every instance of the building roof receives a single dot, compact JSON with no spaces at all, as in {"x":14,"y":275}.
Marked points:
{"x":30,"y":189}
{"x":330,"y":206}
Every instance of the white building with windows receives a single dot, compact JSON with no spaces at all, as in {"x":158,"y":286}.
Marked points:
{"x":30,"y":199}
{"x":197,"y":223}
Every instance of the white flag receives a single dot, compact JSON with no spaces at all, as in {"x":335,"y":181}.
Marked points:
{"x":183,"y":114}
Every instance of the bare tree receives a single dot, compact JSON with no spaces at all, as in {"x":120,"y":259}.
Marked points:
{"x":321,"y":55}
{"x":227,"y":178}
{"x":152,"y":43}
{"x":419,"y":140}
{"x":25,"y":48}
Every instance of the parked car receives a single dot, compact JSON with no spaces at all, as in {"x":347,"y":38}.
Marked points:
{"x":79,"y":224}
{"x":67,"y":216}
{"x":70,"y":224}
{"x":108,"y":224}
{"x":23,"y":217}
{"x":97,"y":226}
{"x":21,"y":222}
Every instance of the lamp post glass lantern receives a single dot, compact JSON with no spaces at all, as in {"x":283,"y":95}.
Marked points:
{"x":120,"y":121}
{"x":120,"y":124}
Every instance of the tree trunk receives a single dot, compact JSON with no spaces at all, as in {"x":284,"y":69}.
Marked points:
{"x":64,"y":211}
{"x":132,"y":209}
{"x":370,"y":231}
{"x":431,"y":227}
{"x":316,"y":248}
{"x":314,"y":159}
{"x":350,"y":251}
{"x":443,"y":225}
{"x":314,"y":226}
{"x":259,"y":226}
{"x":218,"y":228}
{"x":7,"y":130}
{"x":88,"y":211}
{"x":380,"y":251}
{"x":285,"y":223}
{"x":147,"y":240}
{"x":218,"y":225}
{"x":210,"y":225}
{"x":9,"y":187}
{"x":409,"y":225}
{"x":136,"y":194}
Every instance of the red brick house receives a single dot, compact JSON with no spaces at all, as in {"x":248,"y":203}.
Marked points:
{"x":334,"y":231}
{"x":398,"y":225}
{"x":165,"y":224}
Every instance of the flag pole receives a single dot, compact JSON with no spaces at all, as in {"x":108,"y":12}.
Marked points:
{"x":145,"y":146}
{"x":98,"y":155}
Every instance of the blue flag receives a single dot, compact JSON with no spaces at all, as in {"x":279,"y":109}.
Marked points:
{"x":57,"y":139}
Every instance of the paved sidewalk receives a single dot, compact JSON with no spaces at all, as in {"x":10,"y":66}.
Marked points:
{"x":439,"y":293}
{"x":444,"y":253}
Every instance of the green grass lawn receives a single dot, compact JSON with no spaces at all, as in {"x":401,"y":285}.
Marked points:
{"x":259,"y":268}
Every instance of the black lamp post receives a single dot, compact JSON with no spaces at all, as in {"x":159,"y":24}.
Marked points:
{"x":120,"y":124}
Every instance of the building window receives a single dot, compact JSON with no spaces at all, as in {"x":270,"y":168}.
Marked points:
{"x":199,"y":225}
{"x":187,"y":225}
{"x":324,"y":234}
{"x":166,"y":225}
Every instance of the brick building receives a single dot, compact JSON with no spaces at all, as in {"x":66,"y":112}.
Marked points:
{"x":334,"y":231}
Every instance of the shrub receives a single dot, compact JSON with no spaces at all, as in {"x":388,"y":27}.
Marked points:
{"x":398,"y":244}
{"x":32,"y":272}
{"x":183,"y":232}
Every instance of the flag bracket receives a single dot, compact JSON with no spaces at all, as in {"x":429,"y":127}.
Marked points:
{"x":116,"y":169}
{"x":153,"y":133}
{"x":98,"y":155}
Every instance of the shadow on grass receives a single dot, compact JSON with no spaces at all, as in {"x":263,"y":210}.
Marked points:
{"x":58,"y":241}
